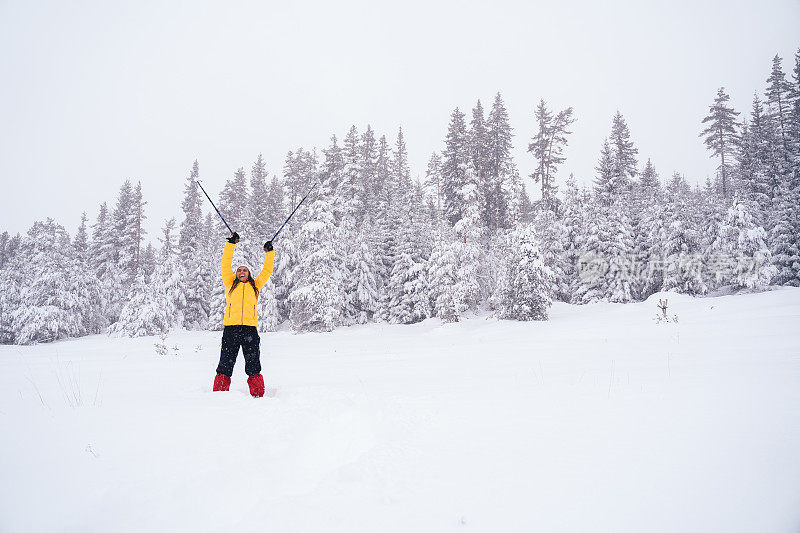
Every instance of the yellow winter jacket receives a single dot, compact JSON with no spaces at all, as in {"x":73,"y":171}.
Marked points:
{"x":240,"y":306}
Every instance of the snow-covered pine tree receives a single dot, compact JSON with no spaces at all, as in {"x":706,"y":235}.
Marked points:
{"x":619,"y":249}
{"x":721,"y":137}
{"x":333,"y":164}
{"x":547,"y":147}
{"x":382,"y":240}
{"x":550,"y":233}
{"x":753,"y":164}
{"x":500,"y":168}
{"x":442,"y":278}
{"x":782,"y":238}
{"x":193,"y":257}
{"x":525,"y":210}
{"x":141,"y":315}
{"x":11,"y":268}
{"x":362,"y":283}
{"x":794,"y":119}
{"x":367,"y":170}
{"x":647,"y":214}
{"x":81,"y":241}
{"x":288,"y":255}
{"x":350,"y":193}
{"x":784,"y":174}
{"x":275,"y":208}
{"x":605,"y":264}
{"x":316,"y":301}
{"x":680,"y":241}
{"x":525,"y":282}
{"x":121,"y":239}
{"x":155,"y":307}
{"x":233,"y":203}
{"x":299,"y":173}
{"x":124,"y":240}
{"x":261,"y":221}
{"x":744,"y":243}
{"x":573,"y":212}
{"x":623,"y":153}
{"x":607,"y":187}
{"x":8,"y":247}
{"x":103,"y":260}
{"x":101,"y":247}
{"x":392,"y":208}
{"x":478,"y":147}
{"x":779,"y":99}
{"x":57,"y":301}
{"x":455,"y":160}
{"x":268,"y":312}
{"x":190,"y":231}
{"x":214,"y":243}
{"x":290,"y":250}
{"x":94,"y":322}
{"x":126,"y":221}
{"x":408,"y":287}
{"x":149,"y":261}
{"x":433,"y":185}
{"x":405,"y":298}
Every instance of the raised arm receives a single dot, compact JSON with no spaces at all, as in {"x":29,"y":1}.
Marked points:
{"x":226,"y":266}
{"x":269,"y":264}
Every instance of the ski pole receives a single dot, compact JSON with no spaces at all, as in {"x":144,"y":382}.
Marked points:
{"x":292,"y":213}
{"x":212,"y":205}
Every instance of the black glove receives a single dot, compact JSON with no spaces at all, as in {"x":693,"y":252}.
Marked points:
{"x":268,"y":246}
{"x":234,"y":238}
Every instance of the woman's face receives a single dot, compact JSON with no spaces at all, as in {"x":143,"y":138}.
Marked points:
{"x":242,"y":274}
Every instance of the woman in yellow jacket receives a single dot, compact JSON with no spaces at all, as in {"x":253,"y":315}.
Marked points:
{"x":240,"y":325}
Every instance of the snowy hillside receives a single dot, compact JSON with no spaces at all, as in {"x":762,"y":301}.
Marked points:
{"x":597,"y":420}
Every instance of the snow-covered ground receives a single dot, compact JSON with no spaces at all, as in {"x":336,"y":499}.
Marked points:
{"x":598,"y":420}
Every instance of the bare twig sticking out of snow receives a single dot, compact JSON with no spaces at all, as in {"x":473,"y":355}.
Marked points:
{"x":38,"y":393}
{"x":663,"y":306}
{"x":70,"y":382}
{"x":663,"y":317}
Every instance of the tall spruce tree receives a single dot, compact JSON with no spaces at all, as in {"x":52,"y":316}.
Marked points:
{"x":350,"y":194}
{"x":721,"y":137}
{"x":547,"y":147}
{"x":607,"y":187}
{"x":455,"y":159}
{"x":193,"y":254}
{"x":623,"y":153}
{"x":190,"y":230}
{"x":779,"y":99}
{"x":500,"y":165}
{"x":754,"y":161}
{"x":316,"y":301}
{"x":478,"y":146}
{"x":81,"y":241}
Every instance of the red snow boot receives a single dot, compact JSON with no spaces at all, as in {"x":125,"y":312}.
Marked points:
{"x":222,"y":382}
{"x":256,"y":385}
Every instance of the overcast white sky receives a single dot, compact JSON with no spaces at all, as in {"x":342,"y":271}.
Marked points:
{"x":96,"y":92}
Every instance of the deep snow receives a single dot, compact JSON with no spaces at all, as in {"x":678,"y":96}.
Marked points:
{"x":598,"y":420}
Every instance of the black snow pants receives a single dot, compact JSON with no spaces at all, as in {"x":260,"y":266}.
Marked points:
{"x":246,"y":337}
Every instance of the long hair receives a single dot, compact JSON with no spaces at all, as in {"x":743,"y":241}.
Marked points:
{"x":249,"y":280}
